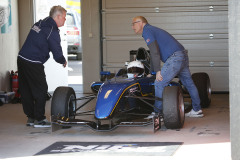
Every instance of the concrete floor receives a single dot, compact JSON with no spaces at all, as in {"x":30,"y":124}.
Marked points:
{"x":204,"y":138}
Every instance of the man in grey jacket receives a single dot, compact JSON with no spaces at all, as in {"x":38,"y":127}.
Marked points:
{"x":43,"y":38}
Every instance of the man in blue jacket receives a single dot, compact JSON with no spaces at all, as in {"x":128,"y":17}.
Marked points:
{"x":164,"y":47}
{"x":43,"y":38}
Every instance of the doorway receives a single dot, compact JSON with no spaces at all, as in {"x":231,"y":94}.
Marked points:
{"x":70,"y":41}
{"x":74,"y":40}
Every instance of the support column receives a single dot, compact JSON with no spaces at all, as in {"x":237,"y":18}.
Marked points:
{"x":234,"y":75}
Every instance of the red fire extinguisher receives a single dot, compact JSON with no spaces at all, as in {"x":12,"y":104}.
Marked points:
{"x":15,"y":85}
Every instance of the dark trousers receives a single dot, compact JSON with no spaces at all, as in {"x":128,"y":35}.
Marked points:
{"x":33,"y":88}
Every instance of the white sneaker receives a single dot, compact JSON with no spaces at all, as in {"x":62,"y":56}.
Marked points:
{"x":193,"y":113}
{"x":151,"y":115}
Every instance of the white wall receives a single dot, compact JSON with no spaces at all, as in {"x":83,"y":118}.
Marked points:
{"x":9,"y":47}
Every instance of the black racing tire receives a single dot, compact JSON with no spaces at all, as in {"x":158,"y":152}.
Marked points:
{"x":64,"y":102}
{"x":202,"y":82}
{"x":173,"y":107}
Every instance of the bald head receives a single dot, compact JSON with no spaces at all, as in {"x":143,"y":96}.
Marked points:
{"x":138,"y":23}
{"x":140,"y":18}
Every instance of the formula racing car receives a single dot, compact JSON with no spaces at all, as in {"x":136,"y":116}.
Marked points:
{"x":126,"y":99}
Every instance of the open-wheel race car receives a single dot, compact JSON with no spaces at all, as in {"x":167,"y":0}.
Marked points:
{"x":126,"y":99}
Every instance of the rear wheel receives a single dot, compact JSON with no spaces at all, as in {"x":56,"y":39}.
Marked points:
{"x":173,"y":107}
{"x":64,"y":102}
{"x":202,"y":82}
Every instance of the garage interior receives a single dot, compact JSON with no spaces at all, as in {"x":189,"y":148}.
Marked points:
{"x":210,"y":31}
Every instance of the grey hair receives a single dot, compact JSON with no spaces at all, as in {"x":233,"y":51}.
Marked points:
{"x":56,"y":10}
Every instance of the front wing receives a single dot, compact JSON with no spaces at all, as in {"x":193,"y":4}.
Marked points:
{"x":61,"y":122}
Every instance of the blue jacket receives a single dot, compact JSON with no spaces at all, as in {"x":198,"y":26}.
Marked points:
{"x":166,"y":42}
{"x":161,"y":44}
{"x":43,"y":38}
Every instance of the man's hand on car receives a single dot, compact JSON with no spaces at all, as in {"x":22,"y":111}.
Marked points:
{"x":159,"y":76}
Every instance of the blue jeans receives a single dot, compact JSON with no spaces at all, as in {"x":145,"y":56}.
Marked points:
{"x":177,"y":65}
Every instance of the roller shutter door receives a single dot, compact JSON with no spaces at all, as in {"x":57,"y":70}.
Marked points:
{"x":201,"y":26}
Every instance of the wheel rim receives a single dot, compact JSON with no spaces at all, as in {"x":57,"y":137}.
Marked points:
{"x":71,"y":107}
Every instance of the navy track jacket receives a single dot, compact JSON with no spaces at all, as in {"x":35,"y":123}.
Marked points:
{"x":43,"y":38}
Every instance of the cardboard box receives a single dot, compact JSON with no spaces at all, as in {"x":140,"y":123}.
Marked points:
{"x":6,"y":97}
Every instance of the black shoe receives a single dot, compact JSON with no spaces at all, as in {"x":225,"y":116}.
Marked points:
{"x":30,"y":122}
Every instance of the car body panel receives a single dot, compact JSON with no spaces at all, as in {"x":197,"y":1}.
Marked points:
{"x":112,"y":91}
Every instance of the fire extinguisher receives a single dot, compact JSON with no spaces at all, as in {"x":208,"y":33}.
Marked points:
{"x":14,"y":83}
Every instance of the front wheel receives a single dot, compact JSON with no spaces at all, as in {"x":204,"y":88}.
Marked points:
{"x":173,"y":107}
{"x":64,"y":102}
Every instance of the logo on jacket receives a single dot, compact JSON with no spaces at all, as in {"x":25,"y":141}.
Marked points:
{"x":36,"y":29}
{"x":148,"y":40}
